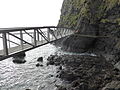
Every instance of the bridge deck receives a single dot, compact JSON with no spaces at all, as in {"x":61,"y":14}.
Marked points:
{"x":19,"y":48}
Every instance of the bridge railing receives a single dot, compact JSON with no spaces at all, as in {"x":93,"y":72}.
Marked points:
{"x":15,"y":40}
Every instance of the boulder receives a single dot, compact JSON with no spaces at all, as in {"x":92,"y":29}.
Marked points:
{"x":20,"y":55}
{"x":40,"y":59}
{"x":19,"y":60}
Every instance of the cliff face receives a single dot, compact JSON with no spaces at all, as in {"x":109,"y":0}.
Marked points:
{"x":92,"y":17}
{"x":76,"y":12}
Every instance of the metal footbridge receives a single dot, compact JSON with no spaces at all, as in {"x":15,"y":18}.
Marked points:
{"x":17,"y":40}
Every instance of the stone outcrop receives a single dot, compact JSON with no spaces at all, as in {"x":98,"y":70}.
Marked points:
{"x":86,"y":72}
{"x":91,"y":17}
{"x":96,"y":24}
{"x":19,"y":58}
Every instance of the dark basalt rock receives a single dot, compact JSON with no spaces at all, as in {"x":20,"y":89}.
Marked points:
{"x":40,"y":59}
{"x":85,"y":72}
{"x":1,"y":56}
{"x":82,"y":40}
{"x":60,"y":68}
{"x":114,"y":85}
{"x":19,"y":55}
{"x":27,"y":89}
{"x":19,"y":60}
{"x":61,"y":88}
{"x":39,"y":65}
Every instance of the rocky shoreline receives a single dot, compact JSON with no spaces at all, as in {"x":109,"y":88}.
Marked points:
{"x":85,"y":72}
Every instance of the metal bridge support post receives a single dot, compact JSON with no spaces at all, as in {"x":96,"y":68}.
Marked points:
{"x":35,"y":42}
{"x":63,"y":31}
{"x":5,"y":48}
{"x":67,"y":33}
{"x":60,"y":31}
{"x":21,"y":42}
{"x":8,"y":41}
{"x":55,"y":33}
{"x":48,"y":34}
{"x":41,"y":39}
{"x":38,"y":38}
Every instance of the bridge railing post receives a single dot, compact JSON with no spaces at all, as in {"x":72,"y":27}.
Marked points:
{"x":63,"y":31}
{"x":38,"y":38}
{"x":8,"y":40}
{"x":21,"y":42}
{"x":48,"y":33}
{"x":60,"y":32}
{"x":35,"y":41}
{"x":5,"y":47}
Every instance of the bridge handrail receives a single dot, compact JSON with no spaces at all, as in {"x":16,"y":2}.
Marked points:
{"x":3,"y":30}
{"x":38,"y":33}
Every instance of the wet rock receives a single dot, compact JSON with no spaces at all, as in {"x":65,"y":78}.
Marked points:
{"x":51,"y":75}
{"x":116,"y":69}
{"x":69,"y":76}
{"x":40,"y":59}
{"x":82,"y":86}
{"x":57,"y":76}
{"x":114,"y":85}
{"x":61,"y":88}
{"x":38,"y":64}
{"x":20,"y":55}
{"x":85,"y":72}
{"x":75,"y":43}
{"x":60,"y":68}
{"x":107,"y":77}
{"x":19,"y":60}
{"x":27,"y":89}
{"x":50,"y":63}
{"x":75,"y":83}
{"x":54,"y":60}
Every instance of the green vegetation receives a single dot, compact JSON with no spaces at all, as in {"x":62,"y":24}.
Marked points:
{"x":93,"y":10}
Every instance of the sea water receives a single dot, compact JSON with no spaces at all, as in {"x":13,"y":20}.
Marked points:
{"x":28,"y":76}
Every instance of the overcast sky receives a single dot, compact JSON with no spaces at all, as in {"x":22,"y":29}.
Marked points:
{"x":21,"y":13}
